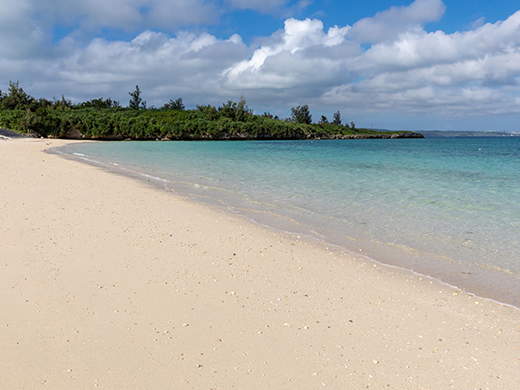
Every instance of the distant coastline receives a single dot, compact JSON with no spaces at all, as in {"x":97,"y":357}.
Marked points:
{"x":468,"y":133}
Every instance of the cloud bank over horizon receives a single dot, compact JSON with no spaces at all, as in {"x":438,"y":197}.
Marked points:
{"x":384,"y":66}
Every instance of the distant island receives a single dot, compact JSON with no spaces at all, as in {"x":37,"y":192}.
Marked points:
{"x":468,"y":133}
{"x":106,"y":119}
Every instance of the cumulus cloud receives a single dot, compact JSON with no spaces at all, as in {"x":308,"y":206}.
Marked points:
{"x":290,"y":59}
{"x":468,"y":66}
{"x":404,"y":70}
{"x":130,"y":14}
{"x":133,"y":15}
{"x":16,"y":42}
{"x":476,"y":71}
{"x":188,"y":65}
{"x":418,"y":50}
{"x":27,"y":24}
{"x":389,"y":24}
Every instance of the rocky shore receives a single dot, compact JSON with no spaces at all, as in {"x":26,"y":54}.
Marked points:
{"x":4,"y":133}
{"x":249,"y":137}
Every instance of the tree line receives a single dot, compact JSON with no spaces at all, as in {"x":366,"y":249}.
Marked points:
{"x":300,"y":114}
{"x":106,"y":119}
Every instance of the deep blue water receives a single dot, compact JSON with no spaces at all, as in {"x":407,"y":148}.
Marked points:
{"x":446,"y":207}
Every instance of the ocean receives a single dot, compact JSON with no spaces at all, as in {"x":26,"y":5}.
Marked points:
{"x":448,"y":208}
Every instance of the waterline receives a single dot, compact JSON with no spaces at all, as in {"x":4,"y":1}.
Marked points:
{"x":441,"y":207}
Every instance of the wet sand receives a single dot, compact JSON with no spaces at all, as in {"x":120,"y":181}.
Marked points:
{"x":108,"y":282}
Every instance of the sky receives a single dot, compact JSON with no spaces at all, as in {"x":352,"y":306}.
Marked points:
{"x":400,"y":65}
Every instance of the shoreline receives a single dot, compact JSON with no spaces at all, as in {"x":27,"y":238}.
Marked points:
{"x":112,"y":283}
{"x":470,"y":277}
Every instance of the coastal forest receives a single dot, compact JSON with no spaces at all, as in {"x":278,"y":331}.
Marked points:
{"x":106,"y":119}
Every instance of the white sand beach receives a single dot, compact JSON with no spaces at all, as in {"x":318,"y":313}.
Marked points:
{"x":106,"y":282}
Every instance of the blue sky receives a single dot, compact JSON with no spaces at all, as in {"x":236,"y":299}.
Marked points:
{"x":459,"y":16}
{"x":423,"y":64}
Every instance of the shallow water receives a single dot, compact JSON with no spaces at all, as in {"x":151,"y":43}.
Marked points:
{"x":445,"y":207}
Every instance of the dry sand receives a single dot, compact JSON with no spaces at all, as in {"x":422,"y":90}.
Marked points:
{"x":107,"y":282}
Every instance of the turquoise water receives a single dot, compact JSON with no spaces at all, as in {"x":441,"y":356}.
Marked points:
{"x":444,"y":207}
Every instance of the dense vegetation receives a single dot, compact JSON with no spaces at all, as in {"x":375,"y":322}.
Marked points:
{"x":106,"y":119}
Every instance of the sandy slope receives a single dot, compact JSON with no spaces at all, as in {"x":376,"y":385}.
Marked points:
{"x":106,"y":282}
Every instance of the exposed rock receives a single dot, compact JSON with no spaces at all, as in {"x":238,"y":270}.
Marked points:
{"x":11,"y":134}
{"x":74,"y":134}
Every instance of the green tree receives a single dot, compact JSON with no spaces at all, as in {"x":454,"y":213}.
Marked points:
{"x":16,"y":98}
{"x":228,"y":109}
{"x":323,"y":120}
{"x":176,"y":104}
{"x":242,"y":111}
{"x":44,"y":103}
{"x":336,"y":119}
{"x":235,"y":111}
{"x":63,"y":103}
{"x":210,"y":112}
{"x":301,"y":114}
{"x":136,"y":102}
{"x":352,"y":125}
{"x":100,"y":103}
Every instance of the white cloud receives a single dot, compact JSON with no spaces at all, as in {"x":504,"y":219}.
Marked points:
{"x":389,"y":24}
{"x":291,"y":58}
{"x":19,"y":35}
{"x":477,"y":71}
{"x":130,"y":15}
{"x":188,"y":65}
{"x":405,"y":71}
{"x":479,"y":47}
{"x":39,"y":17}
